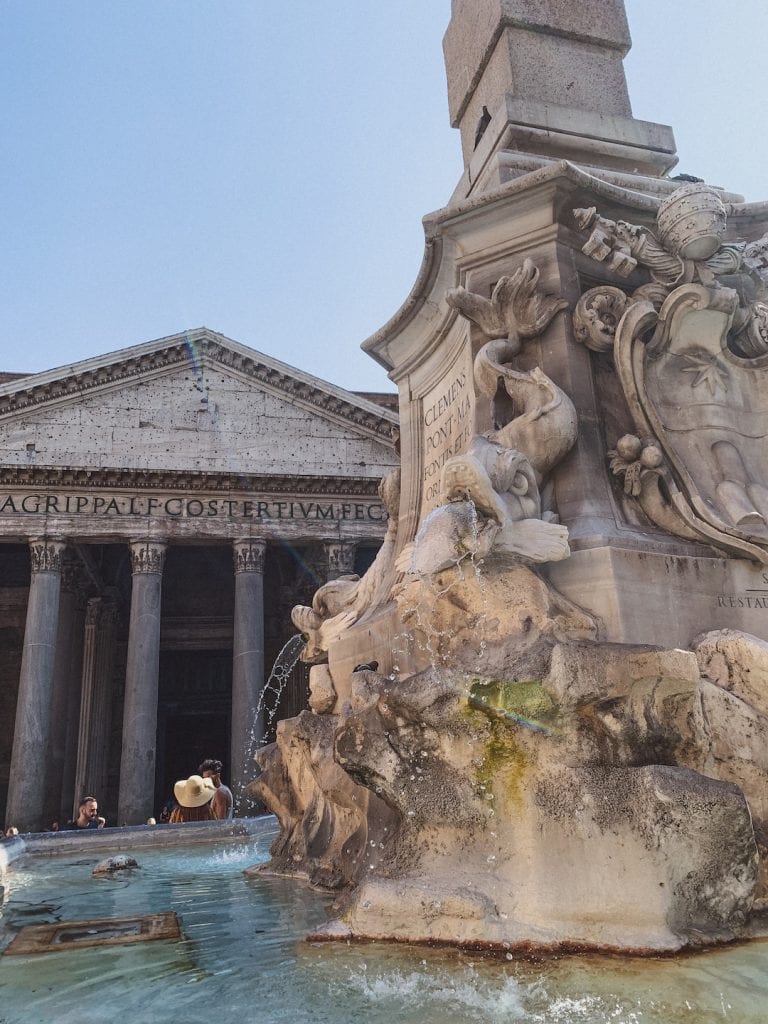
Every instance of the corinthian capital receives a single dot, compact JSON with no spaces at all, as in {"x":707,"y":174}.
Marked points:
{"x":47,"y":555}
{"x":249,"y":555}
{"x":147,"y":556}
{"x":340,"y":556}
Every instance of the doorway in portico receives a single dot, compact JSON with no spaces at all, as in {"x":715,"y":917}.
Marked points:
{"x":193,"y":715}
{"x":195,"y":673}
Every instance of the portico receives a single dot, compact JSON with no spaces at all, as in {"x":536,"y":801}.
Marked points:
{"x":141,"y":543}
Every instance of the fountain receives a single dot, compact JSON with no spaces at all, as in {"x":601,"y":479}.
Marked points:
{"x":539,"y":722}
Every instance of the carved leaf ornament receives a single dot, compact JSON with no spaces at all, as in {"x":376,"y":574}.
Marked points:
{"x":516,"y":309}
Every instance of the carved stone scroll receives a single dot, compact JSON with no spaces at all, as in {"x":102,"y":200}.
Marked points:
{"x":597,"y":315}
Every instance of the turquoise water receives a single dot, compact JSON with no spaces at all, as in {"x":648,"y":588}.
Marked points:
{"x":242,"y":960}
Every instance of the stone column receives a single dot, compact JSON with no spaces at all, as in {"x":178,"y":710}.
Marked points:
{"x":67,"y":673}
{"x":137,"y":763}
{"x":95,"y":718}
{"x":32,"y":732}
{"x":72,"y":707}
{"x":340,"y":558}
{"x":247,"y":729}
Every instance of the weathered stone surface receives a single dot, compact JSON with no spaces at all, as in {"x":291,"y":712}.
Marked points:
{"x":487,"y":621}
{"x":137,"y":761}
{"x":32,"y":733}
{"x":736,"y":661}
{"x":247,"y":728}
{"x":343,"y":601}
{"x":191,"y":437}
{"x":497,"y":842}
{"x":218,"y":417}
{"x":531,"y":81}
{"x":322,"y":694}
{"x":659,"y":711}
{"x":583,"y":671}
{"x":330,"y":827}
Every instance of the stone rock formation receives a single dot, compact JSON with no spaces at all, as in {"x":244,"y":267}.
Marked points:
{"x":119,"y":862}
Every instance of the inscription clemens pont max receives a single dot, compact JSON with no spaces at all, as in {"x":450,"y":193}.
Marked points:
{"x":447,"y":428}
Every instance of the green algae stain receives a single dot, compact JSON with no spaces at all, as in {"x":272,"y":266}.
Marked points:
{"x":504,"y":765}
{"x":527,"y":699}
{"x":502,"y":770}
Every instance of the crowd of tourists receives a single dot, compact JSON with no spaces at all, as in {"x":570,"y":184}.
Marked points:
{"x":201,"y":797}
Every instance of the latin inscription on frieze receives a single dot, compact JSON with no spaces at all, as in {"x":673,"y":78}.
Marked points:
{"x":447,"y":425}
{"x":114,"y":505}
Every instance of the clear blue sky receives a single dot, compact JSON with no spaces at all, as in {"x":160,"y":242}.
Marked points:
{"x":262,"y":168}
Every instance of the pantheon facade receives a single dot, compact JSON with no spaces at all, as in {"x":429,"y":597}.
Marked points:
{"x":162,"y":508}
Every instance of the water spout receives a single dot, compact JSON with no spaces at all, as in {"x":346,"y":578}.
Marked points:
{"x":264,"y":713}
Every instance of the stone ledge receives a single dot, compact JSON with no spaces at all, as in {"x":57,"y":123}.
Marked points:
{"x":133,"y":837}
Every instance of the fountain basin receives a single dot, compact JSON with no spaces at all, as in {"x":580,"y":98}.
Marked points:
{"x":242,"y":955}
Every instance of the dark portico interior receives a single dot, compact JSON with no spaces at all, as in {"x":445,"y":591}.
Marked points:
{"x":196,"y":650}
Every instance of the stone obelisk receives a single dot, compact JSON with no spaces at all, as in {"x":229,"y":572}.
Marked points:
{"x":532,"y":82}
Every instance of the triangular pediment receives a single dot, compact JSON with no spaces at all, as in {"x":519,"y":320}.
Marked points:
{"x":194,"y":402}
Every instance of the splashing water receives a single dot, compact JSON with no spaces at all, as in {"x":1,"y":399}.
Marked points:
{"x":461,"y":990}
{"x":264,"y":715}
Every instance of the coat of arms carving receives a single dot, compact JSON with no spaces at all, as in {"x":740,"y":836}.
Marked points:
{"x":692,"y":357}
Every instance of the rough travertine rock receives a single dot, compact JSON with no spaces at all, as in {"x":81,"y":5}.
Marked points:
{"x":322,"y":694}
{"x":736,"y":661}
{"x":496,"y":841}
{"x":327,"y":821}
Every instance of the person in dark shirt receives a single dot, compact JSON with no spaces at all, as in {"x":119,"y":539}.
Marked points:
{"x":222,"y":801}
{"x":87,"y":815}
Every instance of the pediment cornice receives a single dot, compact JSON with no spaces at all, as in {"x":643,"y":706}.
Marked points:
{"x":210,"y":350}
{"x":51,"y":477}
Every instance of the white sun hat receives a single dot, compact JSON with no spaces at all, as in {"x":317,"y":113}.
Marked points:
{"x":194,"y":791}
